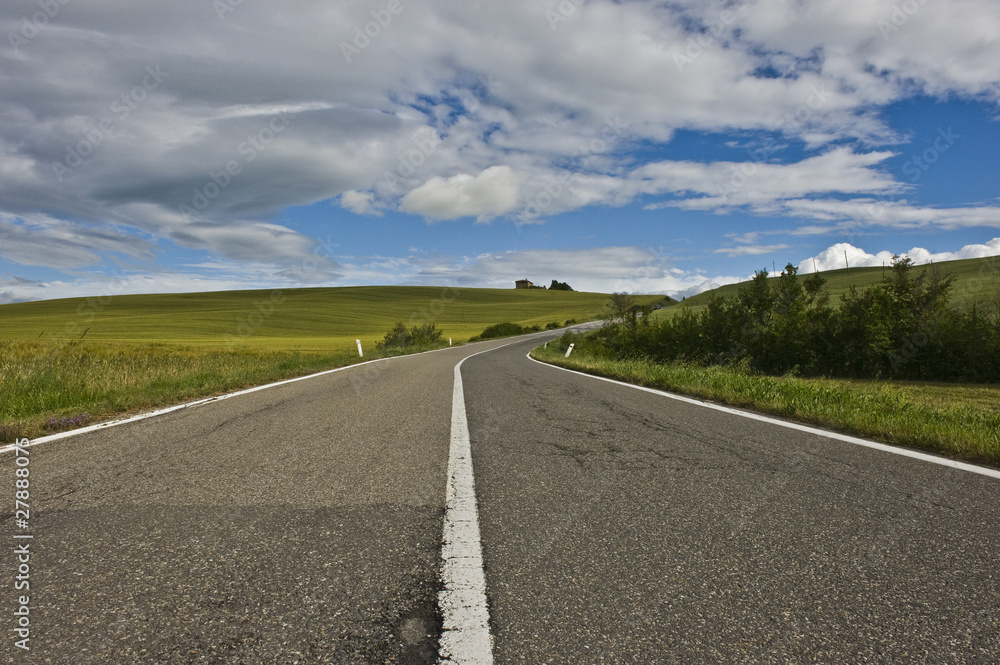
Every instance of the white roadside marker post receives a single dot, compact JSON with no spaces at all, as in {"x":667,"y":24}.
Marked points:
{"x":569,"y":351}
{"x":449,"y":341}
{"x":360,"y":352}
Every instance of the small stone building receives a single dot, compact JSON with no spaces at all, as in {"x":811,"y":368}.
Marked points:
{"x":523,"y":284}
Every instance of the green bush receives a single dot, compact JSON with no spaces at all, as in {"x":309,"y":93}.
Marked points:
{"x":402,"y":338}
{"x":901,"y":328}
{"x":505,"y":329}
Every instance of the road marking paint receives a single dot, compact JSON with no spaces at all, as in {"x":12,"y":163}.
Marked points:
{"x":206,"y":400}
{"x":465,"y":636}
{"x":218,"y":398}
{"x":933,"y":459}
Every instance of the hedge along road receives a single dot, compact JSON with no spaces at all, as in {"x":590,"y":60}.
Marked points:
{"x":303,"y":523}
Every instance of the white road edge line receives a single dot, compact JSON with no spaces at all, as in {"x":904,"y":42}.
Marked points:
{"x":465,"y":632}
{"x":933,"y":459}
{"x":218,"y":398}
{"x":159,"y":412}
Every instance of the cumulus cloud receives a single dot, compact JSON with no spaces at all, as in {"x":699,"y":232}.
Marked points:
{"x":361,"y":203}
{"x":844,"y":254}
{"x":484,"y":196}
{"x":168,"y":121}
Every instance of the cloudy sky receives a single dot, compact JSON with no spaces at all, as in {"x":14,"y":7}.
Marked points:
{"x":643,"y":146}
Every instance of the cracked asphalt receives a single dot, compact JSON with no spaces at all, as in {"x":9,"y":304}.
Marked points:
{"x":302,"y":524}
{"x":624,"y":527}
{"x":297,"y":524}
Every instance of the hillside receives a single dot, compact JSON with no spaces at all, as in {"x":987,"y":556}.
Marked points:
{"x":304,"y":319}
{"x":977,"y":281}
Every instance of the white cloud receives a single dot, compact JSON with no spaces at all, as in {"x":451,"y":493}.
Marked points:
{"x":40,"y":240}
{"x":760,"y":185}
{"x":360,"y":203}
{"x":893,"y":214}
{"x":599,"y":269}
{"x":484,"y":196}
{"x":833,"y":258}
{"x":461,"y":110}
{"x":751,"y":250}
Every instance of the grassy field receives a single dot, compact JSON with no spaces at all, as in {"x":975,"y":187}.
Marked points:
{"x":961,"y":422}
{"x":65,"y":363}
{"x":321,"y":319}
{"x":977,"y":281}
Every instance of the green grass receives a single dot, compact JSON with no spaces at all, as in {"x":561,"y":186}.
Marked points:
{"x":41,"y":380}
{"x":320,"y":319}
{"x":105,"y":357}
{"x":976,"y":282}
{"x":955,"y":421}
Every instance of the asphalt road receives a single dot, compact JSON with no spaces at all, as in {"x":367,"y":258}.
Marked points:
{"x":303,"y":524}
{"x":624,"y":527}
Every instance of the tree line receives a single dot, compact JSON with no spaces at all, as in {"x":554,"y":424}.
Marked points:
{"x":902,"y":328}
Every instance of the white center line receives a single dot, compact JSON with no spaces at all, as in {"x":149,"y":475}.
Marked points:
{"x":465,"y":635}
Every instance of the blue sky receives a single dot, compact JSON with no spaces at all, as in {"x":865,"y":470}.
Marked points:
{"x":618,"y":146}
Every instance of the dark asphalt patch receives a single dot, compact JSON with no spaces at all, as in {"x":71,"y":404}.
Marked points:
{"x":236,"y":585}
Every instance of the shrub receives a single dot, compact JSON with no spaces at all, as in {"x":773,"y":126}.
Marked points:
{"x":401,"y":338}
{"x":901,"y":328}
{"x":505,"y":329}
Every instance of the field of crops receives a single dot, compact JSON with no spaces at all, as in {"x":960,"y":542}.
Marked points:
{"x":65,"y":363}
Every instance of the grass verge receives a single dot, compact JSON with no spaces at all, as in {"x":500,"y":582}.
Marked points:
{"x":46,"y":387}
{"x":955,"y":421}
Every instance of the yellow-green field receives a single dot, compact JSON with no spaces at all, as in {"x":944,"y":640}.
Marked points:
{"x":320,"y":319}
{"x":65,"y":363}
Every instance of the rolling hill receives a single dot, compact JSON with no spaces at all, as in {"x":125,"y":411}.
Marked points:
{"x":303,"y":319}
{"x":977,"y":282}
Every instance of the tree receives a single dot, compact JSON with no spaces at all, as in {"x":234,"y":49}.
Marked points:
{"x":619,"y":305}
{"x":559,"y":286}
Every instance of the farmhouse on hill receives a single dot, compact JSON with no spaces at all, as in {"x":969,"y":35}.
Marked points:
{"x":523,"y":284}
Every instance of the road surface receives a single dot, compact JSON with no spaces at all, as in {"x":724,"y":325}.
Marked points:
{"x":303,"y":524}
